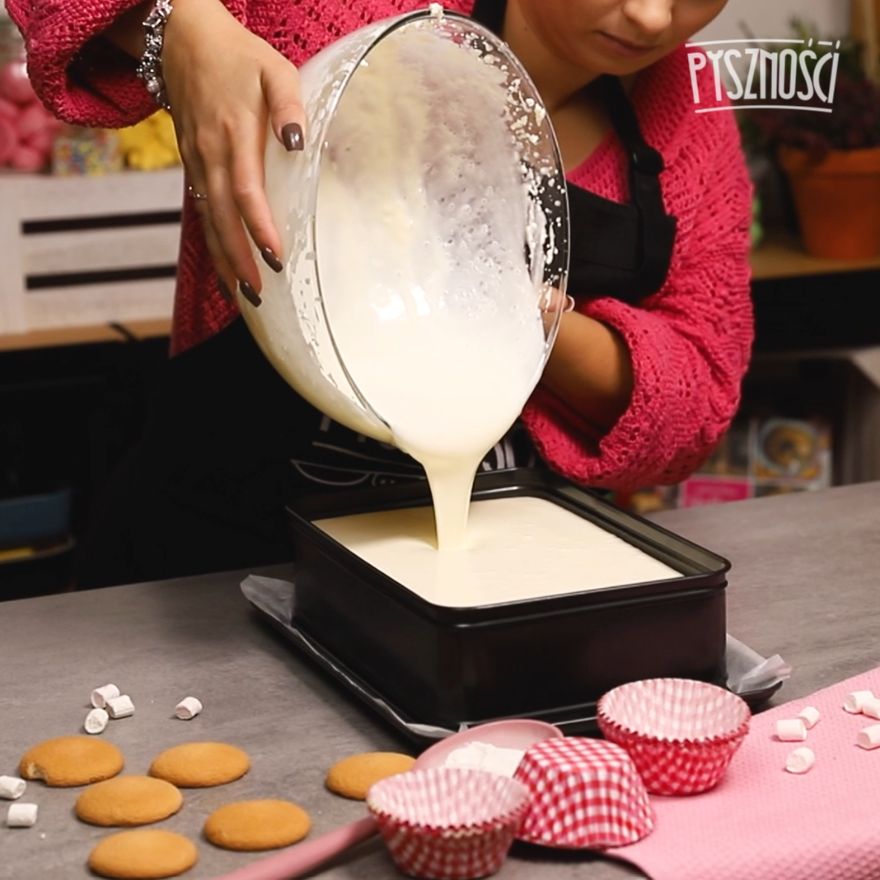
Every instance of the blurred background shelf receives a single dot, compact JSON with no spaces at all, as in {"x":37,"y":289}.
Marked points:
{"x":85,"y":252}
{"x":85,"y":314}
{"x":54,"y":337}
{"x":781,"y":255}
{"x":779,"y":258}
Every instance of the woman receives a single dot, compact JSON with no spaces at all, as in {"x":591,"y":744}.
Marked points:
{"x":646,"y":371}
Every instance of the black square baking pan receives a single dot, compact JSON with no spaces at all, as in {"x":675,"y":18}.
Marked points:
{"x":548,"y":656}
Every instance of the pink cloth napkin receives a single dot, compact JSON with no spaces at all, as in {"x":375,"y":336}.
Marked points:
{"x":762,"y":823}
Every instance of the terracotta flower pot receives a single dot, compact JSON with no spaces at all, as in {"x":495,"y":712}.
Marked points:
{"x":837,"y":201}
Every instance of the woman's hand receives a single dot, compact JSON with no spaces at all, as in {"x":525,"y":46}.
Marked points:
{"x":590,"y":369}
{"x":224,"y":84}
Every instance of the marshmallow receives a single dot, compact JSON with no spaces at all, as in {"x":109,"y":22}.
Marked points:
{"x":486,"y":757}
{"x":41,"y":141}
{"x":33,"y":118}
{"x":800,"y":760}
{"x":187,"y":708}
{"x":791,"y":730}
{"x":102,"y":694}
{"x":96,"y":721}
{"x":25,"y":158}
{"x":872,"y":709}
{"x":856,"y":700}
{"x":11,"y":787}
{"x":21,"y":815}
{"x":120,"y":707}
{"x":14,"y":82}
{"x":8,"y":110}
{"x":8,"y":138}
{"x":810,"y":716}
{"x":869,"y":737}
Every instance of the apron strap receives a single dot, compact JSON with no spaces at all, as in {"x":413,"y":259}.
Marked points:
{"x":656,"y":227}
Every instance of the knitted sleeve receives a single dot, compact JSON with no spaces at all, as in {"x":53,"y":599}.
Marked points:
{"x":689,"y":342}
{"x":85,"y":80}
{"x":79,"y":76}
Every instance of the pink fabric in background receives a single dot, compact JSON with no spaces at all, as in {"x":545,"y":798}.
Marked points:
{"x":762,"y":823}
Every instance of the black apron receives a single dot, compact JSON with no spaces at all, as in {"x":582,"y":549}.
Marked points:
{"x":204,"y":490}
{"x":618,"y":250}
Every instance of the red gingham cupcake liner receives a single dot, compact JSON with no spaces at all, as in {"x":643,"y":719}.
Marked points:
{"x":584,"y":793}
{"x":681,"y":734}
{"x":448,"y":824}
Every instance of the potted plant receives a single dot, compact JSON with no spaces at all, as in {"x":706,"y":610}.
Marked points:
{"x":831,"y":159}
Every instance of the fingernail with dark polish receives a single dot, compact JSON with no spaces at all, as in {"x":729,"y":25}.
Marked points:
{"x":249,"y":293}
{"x":271,"y":260}
{"x":292,"y":136}
{"x":225,"y":292}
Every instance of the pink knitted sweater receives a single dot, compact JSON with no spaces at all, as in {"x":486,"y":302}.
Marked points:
{"x":689,"y":342}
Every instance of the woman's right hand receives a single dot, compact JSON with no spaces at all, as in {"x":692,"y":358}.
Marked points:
{"x":224,"y":85}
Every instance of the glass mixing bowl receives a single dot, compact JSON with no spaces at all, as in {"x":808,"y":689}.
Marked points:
{"x":429,"y":198}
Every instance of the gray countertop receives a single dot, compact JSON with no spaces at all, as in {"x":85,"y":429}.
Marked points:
{"x":804,"y":584}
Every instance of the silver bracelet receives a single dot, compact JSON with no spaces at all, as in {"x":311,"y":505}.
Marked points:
{"x":150,"y":67}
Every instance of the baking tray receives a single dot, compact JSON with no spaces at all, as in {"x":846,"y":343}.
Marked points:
{"x":547,"y":657}
{"x":530,"y":657}
{"x":273,"y":600}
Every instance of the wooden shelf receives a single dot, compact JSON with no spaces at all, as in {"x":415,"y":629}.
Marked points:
{"x":782,"y":256}
{"x":778,"y":256}
{"x":86,"y":255}
{"x":58,"y":336}
{"x":61,"y":336}
{"x":149,"y":329}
